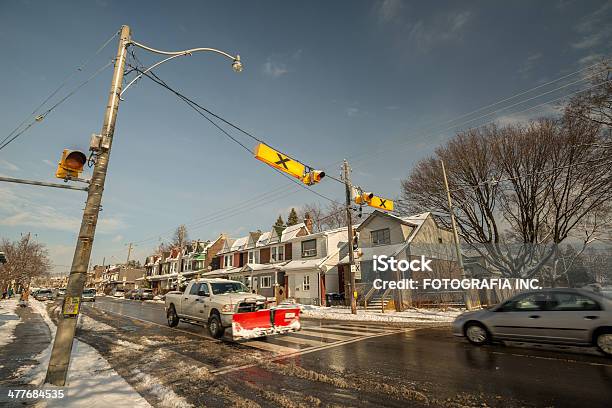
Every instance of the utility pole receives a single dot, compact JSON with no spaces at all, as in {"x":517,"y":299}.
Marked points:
{"x":349,"y":224}
{"x":468,"y":304}
{"x":66,"y":325}
{"x":129,"y":253}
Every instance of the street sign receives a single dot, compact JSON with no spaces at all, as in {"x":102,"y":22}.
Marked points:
{"x":356,"y":269}
{"x":71,"y":306}
{"x":382,"y":203}
{"x":280,"y":161}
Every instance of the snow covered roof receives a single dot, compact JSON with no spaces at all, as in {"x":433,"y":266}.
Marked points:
{"x":263,"y":239}
{"x":240,"y":243}
{"x":292,"y":231}
{"x":368,"y":253}
{"x":302,"y":264}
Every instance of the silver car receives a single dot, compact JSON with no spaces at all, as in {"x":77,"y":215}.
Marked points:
{"x":560,"y":316}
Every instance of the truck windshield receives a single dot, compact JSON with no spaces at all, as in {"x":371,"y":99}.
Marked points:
{"x":228,"y":287}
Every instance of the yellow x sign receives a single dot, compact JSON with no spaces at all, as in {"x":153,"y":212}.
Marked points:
{"x":382,"y":203}
{"x":279,"y":161}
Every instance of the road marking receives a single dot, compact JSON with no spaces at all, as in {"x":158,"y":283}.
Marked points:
{"x":329,"y":330}
{"x":262,"y":345}
{"x":227,"y":370}
{"x":298,"y":340}
{"x":366,"y":329}
{"x":553,"y":358}
{"x":325,"y":335}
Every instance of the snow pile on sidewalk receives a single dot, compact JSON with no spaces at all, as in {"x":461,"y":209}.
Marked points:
{"x":92,"y":382}
{"x":8,"y":320}
{"x":408,"y":316}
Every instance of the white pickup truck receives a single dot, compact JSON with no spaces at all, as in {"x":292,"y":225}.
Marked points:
{"x":221,"y":303}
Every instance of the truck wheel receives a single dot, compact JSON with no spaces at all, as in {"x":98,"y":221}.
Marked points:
{"x":214,"y":326}
{"x":173,"y":319}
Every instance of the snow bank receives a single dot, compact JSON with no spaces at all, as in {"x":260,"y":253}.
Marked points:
{"x":8,"y":320}
{"x":409,"y":316}
{"x":92,"y":382}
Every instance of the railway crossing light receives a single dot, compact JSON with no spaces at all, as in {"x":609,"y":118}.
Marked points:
{"x":313,"y":177}
{"x":71,"y":164}
{"x":280,"y":161}
{"x":364,"y":198}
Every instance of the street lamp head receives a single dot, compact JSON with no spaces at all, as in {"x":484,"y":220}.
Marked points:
{"x":237,"y":65}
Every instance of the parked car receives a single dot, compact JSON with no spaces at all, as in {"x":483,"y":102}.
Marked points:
{"x":44,"y":294}
{"x":143,"y":294}
{"x":559,"y":316}
{"x":130,"y":294}
{"x":89,"y":295}
{"x":61,"y":292}
{"x":119,"y":293}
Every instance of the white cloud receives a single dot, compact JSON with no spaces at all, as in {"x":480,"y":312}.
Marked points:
{"x":352,"y":111}
{"x":118,"y":238}
{"x":441,"y":29}
{"x":525,"y":117}
{"x":594,"y":28}
{"x":274,"y":68}
{"x":590,"y":60}
{"x":529,"y":63}
{"x":388,"y":10}
{"x":48,"y":163}
{"x":19,"y":210}
{"x":8,"y":165}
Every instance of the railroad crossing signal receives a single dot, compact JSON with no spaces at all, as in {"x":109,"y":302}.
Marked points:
{"x":71,"y":164}
{"x":280,"y":161}
{"x":287,"y":165}
{"x":374,"y":201}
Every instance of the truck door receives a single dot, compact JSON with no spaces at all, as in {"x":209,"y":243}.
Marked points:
{"x":201,"y":304}
{"x":188,"y":300}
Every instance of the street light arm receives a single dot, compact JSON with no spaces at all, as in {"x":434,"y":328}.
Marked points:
{"x":184,"y":52}
{"x":237,"y":64}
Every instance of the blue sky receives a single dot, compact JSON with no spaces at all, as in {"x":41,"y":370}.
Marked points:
{"x":373,"y":81}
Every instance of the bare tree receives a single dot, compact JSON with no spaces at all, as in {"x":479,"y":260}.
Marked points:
{"x":316,"y":213}
{"x":519,"y":190}
{"x":181,"y":237}
{"x":594,"y":104}
{"x":27,"y":259}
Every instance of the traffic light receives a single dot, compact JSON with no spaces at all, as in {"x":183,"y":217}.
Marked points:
{"x":355,"y":239}
{"x":71,"y":164}
{"x":364,"y":198}
{"x":313,"y":177}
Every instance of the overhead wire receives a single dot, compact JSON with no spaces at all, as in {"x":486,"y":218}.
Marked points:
{"x":64,"y":82}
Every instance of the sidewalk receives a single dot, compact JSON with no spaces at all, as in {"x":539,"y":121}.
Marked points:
{"x":92,"y":382}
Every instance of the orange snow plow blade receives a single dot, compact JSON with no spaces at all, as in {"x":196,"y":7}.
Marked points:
{"x":265,"y":322}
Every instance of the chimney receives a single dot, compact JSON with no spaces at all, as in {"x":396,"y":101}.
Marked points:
{"x":308,"y":223}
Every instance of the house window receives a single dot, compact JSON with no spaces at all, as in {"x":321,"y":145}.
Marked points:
{"x":381,"y":237}
{"x":266,"y":282}
{"x":306,"y":283}
{"x":227,"y":261}
{"x":251,"y":257}
{"x":277,"y":254}
{"x":309,"y":248}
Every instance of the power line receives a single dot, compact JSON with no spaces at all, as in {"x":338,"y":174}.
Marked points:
{"x":62,"y":84}
{"x":40,"y":117}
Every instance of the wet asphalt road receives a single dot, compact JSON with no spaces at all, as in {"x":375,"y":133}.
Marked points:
{"x":345,"y":364}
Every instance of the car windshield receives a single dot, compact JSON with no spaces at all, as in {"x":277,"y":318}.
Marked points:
{"x":89,"y":292}
{"x":44,"y":292}
{"x":219,"y":288}
{"x":119,"y":291}
{"x":147,"y":291}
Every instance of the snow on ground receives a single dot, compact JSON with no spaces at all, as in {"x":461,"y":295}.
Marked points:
{"x":408,"y":316}
{"x":92,"y":382}
{"x":8,"y":320}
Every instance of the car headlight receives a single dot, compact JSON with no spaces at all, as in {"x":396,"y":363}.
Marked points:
{"x":227,"y":308}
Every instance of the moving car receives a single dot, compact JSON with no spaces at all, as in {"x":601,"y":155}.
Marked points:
{"x":44,"y":294}
{"x":89,"y":295}
{"x":119,"y":293}
{"x":143,"y":294}
{"x":559,"y":316}
{"x":221,"y":303}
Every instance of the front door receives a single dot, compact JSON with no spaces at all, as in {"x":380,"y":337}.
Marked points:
{"x":523,"y":317}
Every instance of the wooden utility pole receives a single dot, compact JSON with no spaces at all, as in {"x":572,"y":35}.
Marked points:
{"x":130,"y":246}
{"x":468,"y":302}
{"x":66,"y":325}
{"x":349,"y":224}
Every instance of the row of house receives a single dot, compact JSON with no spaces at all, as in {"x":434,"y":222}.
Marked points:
{"x":298,"y":263}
